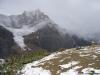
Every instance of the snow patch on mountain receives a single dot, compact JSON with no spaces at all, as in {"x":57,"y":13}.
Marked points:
{"x":70,"y":72}
{"x":69,"y":64}
{"x":25,"y":30}
{"x":19,"y":33}
{"x":89,"y":70}
{"x":36,"y":71}
{"x":24,"y":24}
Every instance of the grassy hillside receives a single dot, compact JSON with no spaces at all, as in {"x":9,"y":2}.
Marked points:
{"x":16,"y":62}
{"x":74,"y":61}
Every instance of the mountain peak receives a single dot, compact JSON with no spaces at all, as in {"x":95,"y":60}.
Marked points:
{"x":34,"y":11}
{"x":30,"y":18}
{"x":38,"y":13}
{"x":25,"y":23}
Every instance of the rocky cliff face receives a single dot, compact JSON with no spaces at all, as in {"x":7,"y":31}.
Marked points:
{"x":25,"y":19}
{"x":51,"y":39}
{"x":7,"y":44}
{"x":24,"y":24}
{"x":34,"y":30}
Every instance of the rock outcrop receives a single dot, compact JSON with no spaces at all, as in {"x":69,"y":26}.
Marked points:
{"x":51,"y":39}
{"x":7,"y":44}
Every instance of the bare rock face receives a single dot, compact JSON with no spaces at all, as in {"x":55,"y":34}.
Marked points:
{"x":25,"y":19}
{"x":33,"y":30}
{"x":7,"y":43}
{"x":51,"y":39}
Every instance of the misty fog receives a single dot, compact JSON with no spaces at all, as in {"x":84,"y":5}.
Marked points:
{"x":78,"y":16}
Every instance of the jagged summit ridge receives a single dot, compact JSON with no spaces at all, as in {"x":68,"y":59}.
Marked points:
{"x":24,"y":24}
{"x":26,"y":18}
{"x":29,"y":24}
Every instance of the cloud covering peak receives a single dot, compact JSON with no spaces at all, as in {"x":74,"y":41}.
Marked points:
{"x":80,"y":16}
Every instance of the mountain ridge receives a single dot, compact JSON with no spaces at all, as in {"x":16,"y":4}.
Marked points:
{"x":29,"y":23}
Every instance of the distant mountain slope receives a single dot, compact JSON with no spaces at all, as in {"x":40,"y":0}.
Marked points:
{"x":68,"y":62}
{"x":52,"y":39}
{"x":26,"y":18}
{"x":25,"y":26}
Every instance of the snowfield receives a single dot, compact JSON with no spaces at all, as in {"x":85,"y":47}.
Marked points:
{"x":83,"y":61}
{"x":25,"y":30}
{"x":36,"y":71}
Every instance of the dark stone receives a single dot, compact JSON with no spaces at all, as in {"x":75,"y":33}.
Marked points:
{"x":6,"y":42}
{"x":51,"y":39}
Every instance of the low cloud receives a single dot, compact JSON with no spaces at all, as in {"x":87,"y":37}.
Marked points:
{"x":78,"y":16}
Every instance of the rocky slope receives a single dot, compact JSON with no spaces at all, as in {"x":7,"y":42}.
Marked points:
{"x":7,"y":44}
{"x":83,"y":61}
{"x":34,"y":30}
{"x":24,"y":24}
{"x":51,"y":39}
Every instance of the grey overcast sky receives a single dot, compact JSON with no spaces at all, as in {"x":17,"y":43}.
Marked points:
{"x":81,"y":16}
